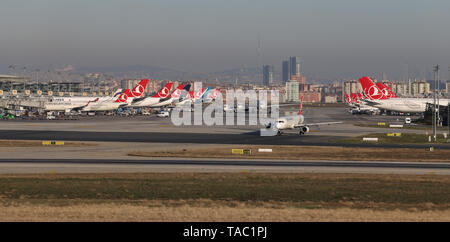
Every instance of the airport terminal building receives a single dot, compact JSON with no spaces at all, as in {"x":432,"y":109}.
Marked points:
{"x":12,"y":85}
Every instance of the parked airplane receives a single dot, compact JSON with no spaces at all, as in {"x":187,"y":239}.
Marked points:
{"x":193,"y":98}
{"x":173,"y":98}
{"x":149,"y":101}
{"x":359,"y":106}
{"x":386,"y":90}
{"x":74,"y":103}
{"x":125,"y":98}
{"x":211,"y":96}
{"x":376,"y":98}
{"x":294,"y":122}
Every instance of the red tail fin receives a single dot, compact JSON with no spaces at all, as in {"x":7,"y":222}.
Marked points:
{"x":347,"y":98}
{"x":386,"y":90}
{"x":139,"y":89}
{"x":177,"y":92}
{"x":215,"y":94}
{"x":370,"y":89}
{"x":165,"y":91}
{"x":355,"y":98}
{"x":123,"y":97}
{"x":301,"y":104}
{"x":199,"y":93}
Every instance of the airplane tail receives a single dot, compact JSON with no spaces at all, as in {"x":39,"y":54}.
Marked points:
{"x":186,"y":88}
{"x":355,"y":98}
{"x":198,"y":94}
{"x":347,"y":99}
{"x":205,"y":93}
{"x":117,"y":92}
{"x":165,"y":91}
{"x":215,"y":94}
{"x":124,"y":96}
{"x":386,"y":90}
{"x":177,"y":92}
{"x":370,"y":89}
{"x":139,"y":89}
{"x":301,"y":106}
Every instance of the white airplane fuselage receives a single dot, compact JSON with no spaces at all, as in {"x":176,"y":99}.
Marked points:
{"x":146,"y":102}
{"x":68,"y":103}
{"x":287,"y":122}
{"x":407,"y":105}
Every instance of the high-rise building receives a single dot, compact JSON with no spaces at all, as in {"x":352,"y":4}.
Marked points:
{"x":267,"y":75}
{"x":420,"y":88}
{"x":352,"y":86}
{"x":131,"y":83}
{"x":292,"y":91}
{"x":294,"y":62}
{"x":291,"y":68}
{"x":398,"y":88}
{"x":286,"y":75}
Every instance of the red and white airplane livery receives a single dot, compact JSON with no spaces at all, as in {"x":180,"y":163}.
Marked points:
{"x":376,"y":97}
{"x":123,"y":100}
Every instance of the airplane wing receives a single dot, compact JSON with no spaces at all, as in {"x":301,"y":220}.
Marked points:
{"x":76,"y":109}
{"x":371,"y":102}
{"x":135,"y":100}
{"x":316,"y":124}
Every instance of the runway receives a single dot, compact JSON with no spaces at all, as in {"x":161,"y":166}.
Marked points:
{"x":249,"y":138}
{"x":11,"y":166}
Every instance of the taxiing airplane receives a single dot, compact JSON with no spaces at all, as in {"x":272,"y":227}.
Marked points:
{"x":294,"y":122}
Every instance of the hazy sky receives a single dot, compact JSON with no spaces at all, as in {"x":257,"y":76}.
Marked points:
{"x":334,"y":38}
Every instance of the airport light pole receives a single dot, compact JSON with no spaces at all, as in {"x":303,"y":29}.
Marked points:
{"x":436,"y":76}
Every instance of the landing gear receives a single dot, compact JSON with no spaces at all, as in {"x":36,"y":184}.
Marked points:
{"x":279,"y":133}
{"x":301,"y":132}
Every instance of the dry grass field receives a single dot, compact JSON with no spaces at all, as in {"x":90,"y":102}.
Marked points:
{"x":240,"y":212}
{"x":307,"y":153}
{"x":224,"y":197}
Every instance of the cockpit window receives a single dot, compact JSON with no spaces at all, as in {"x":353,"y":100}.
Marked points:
{"x":281,"y":121}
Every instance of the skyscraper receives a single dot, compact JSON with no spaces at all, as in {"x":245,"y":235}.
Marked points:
{"x":267,"y":75}
{"x":286,"y":71}
{"x":294,"y":62}
{"x":291,"y":68}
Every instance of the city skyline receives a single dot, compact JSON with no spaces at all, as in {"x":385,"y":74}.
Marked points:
{"x":334,"y":40}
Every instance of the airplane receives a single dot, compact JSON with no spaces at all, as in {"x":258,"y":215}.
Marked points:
{"x":294,"y":122}
{"x":193,"y":98}
{"x":376,"y":98}
{"x":174,"y":96}
{"x":386,"y":90}
{"x":149,"y":101}
{"x":359,"y":106}
{"x":212,"y":96}
{"x":123,"y":100}
{"x":68,"y":104}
